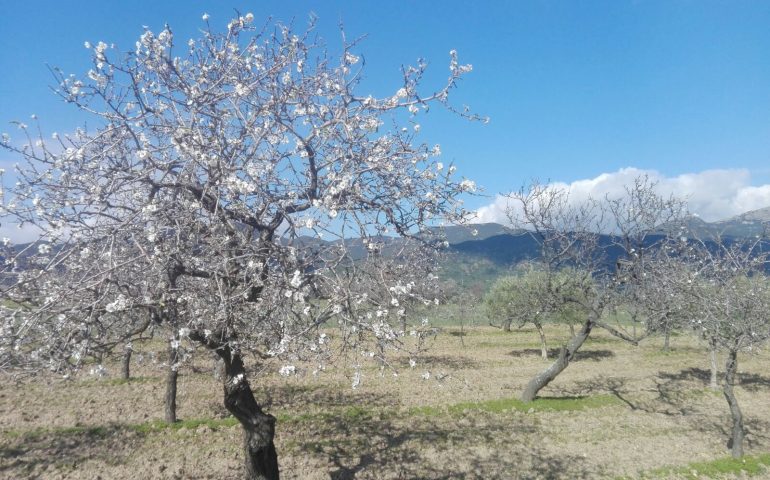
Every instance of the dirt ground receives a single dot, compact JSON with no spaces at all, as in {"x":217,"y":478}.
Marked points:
{"x":643,"y":409}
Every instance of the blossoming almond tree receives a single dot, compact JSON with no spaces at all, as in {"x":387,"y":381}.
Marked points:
{"x":218,"y":189}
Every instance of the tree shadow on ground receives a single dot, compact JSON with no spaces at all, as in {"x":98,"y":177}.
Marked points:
{"x":447,"y":361}
{"x":749,"y":381}
{"x":419,"y":447}
{"x":699,"y":375}
{"x":585,"y":355}
{"x":291,"y":397}
{"x":37,"y":451}
{"x":675,"y":393}
{"x":458,"y":333}
{"x":720,"y":426}
{"x":616,"y":386}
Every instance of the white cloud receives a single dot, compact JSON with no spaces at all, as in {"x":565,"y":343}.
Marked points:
{"x":711,"y":194}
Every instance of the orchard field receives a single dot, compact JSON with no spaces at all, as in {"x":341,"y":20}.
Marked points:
{"x":618,"y":411}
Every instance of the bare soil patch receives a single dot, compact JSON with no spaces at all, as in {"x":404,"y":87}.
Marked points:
{"x":458,"y":422}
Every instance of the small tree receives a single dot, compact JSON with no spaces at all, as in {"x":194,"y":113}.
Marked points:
{"x":535,"y":297}
{"x":569,"y":235}
{"x":641,"y":222}
{"x":218,"y":189}
{"x":724,"y":283}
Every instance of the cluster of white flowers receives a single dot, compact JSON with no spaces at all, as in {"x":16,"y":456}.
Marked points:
{"x":296,"y":279}
{"x":383,"y":331}
{"x":119,"y":304}
{"x":468,"y":185}
{"x":350,"y":58}
{"x":287,"y":370}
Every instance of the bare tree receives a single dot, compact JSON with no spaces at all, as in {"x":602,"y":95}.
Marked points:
{"x":569,"y":232}
{"x":723,"y":283}
{"x":641,"y":221}
{"x":218,"y":188}
{"x":568,"y":236}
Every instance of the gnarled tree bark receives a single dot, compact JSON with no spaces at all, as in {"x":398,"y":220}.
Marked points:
{"x":171,"y":381}
{"x":736,"y":438}
{"x":126,"y":362}
{"x":543,"y":345}
{"x":713,"y":383}
{"x":566,"y":355}
{"x":258,"y":426}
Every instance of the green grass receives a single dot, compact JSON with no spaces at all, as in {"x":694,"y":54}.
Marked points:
{"x":349,"y":415}
{"x":749,"y":465}
{"x":12,"y":304}
{"x":190,"y":424}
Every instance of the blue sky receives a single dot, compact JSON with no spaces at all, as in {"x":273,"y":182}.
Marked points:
{"x":574,"y":89}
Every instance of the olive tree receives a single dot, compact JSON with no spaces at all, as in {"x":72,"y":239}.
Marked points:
{"x":533,"y":296}
{"x":217,"y":188}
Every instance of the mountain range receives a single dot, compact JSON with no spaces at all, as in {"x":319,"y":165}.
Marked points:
{"x":479,"y":253}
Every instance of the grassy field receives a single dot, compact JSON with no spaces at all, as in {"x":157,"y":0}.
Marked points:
{"x":618,"y":412}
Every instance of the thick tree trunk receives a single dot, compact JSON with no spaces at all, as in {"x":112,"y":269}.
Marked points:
{"x":713,"y":383}
{"x":543,"y":346}
{"x":261,"y":459}
{"x":571,"y":329}
{"x":666,"y":339}
{"x":736,"y":439}
{"x":171,"y":381}
{"x":258,"y":426}
{"x":565,"y":356}
{"x":126,"y":364}
{"x":507,"y":325}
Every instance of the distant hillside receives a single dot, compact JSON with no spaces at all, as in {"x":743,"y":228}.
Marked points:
{"x":481,"y":261}
{"x":496,"y":249}
{"x":744,"y":225}
{"x":476,"y":232}
{"x":761,"y":215}
{"x":480,"y":253}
